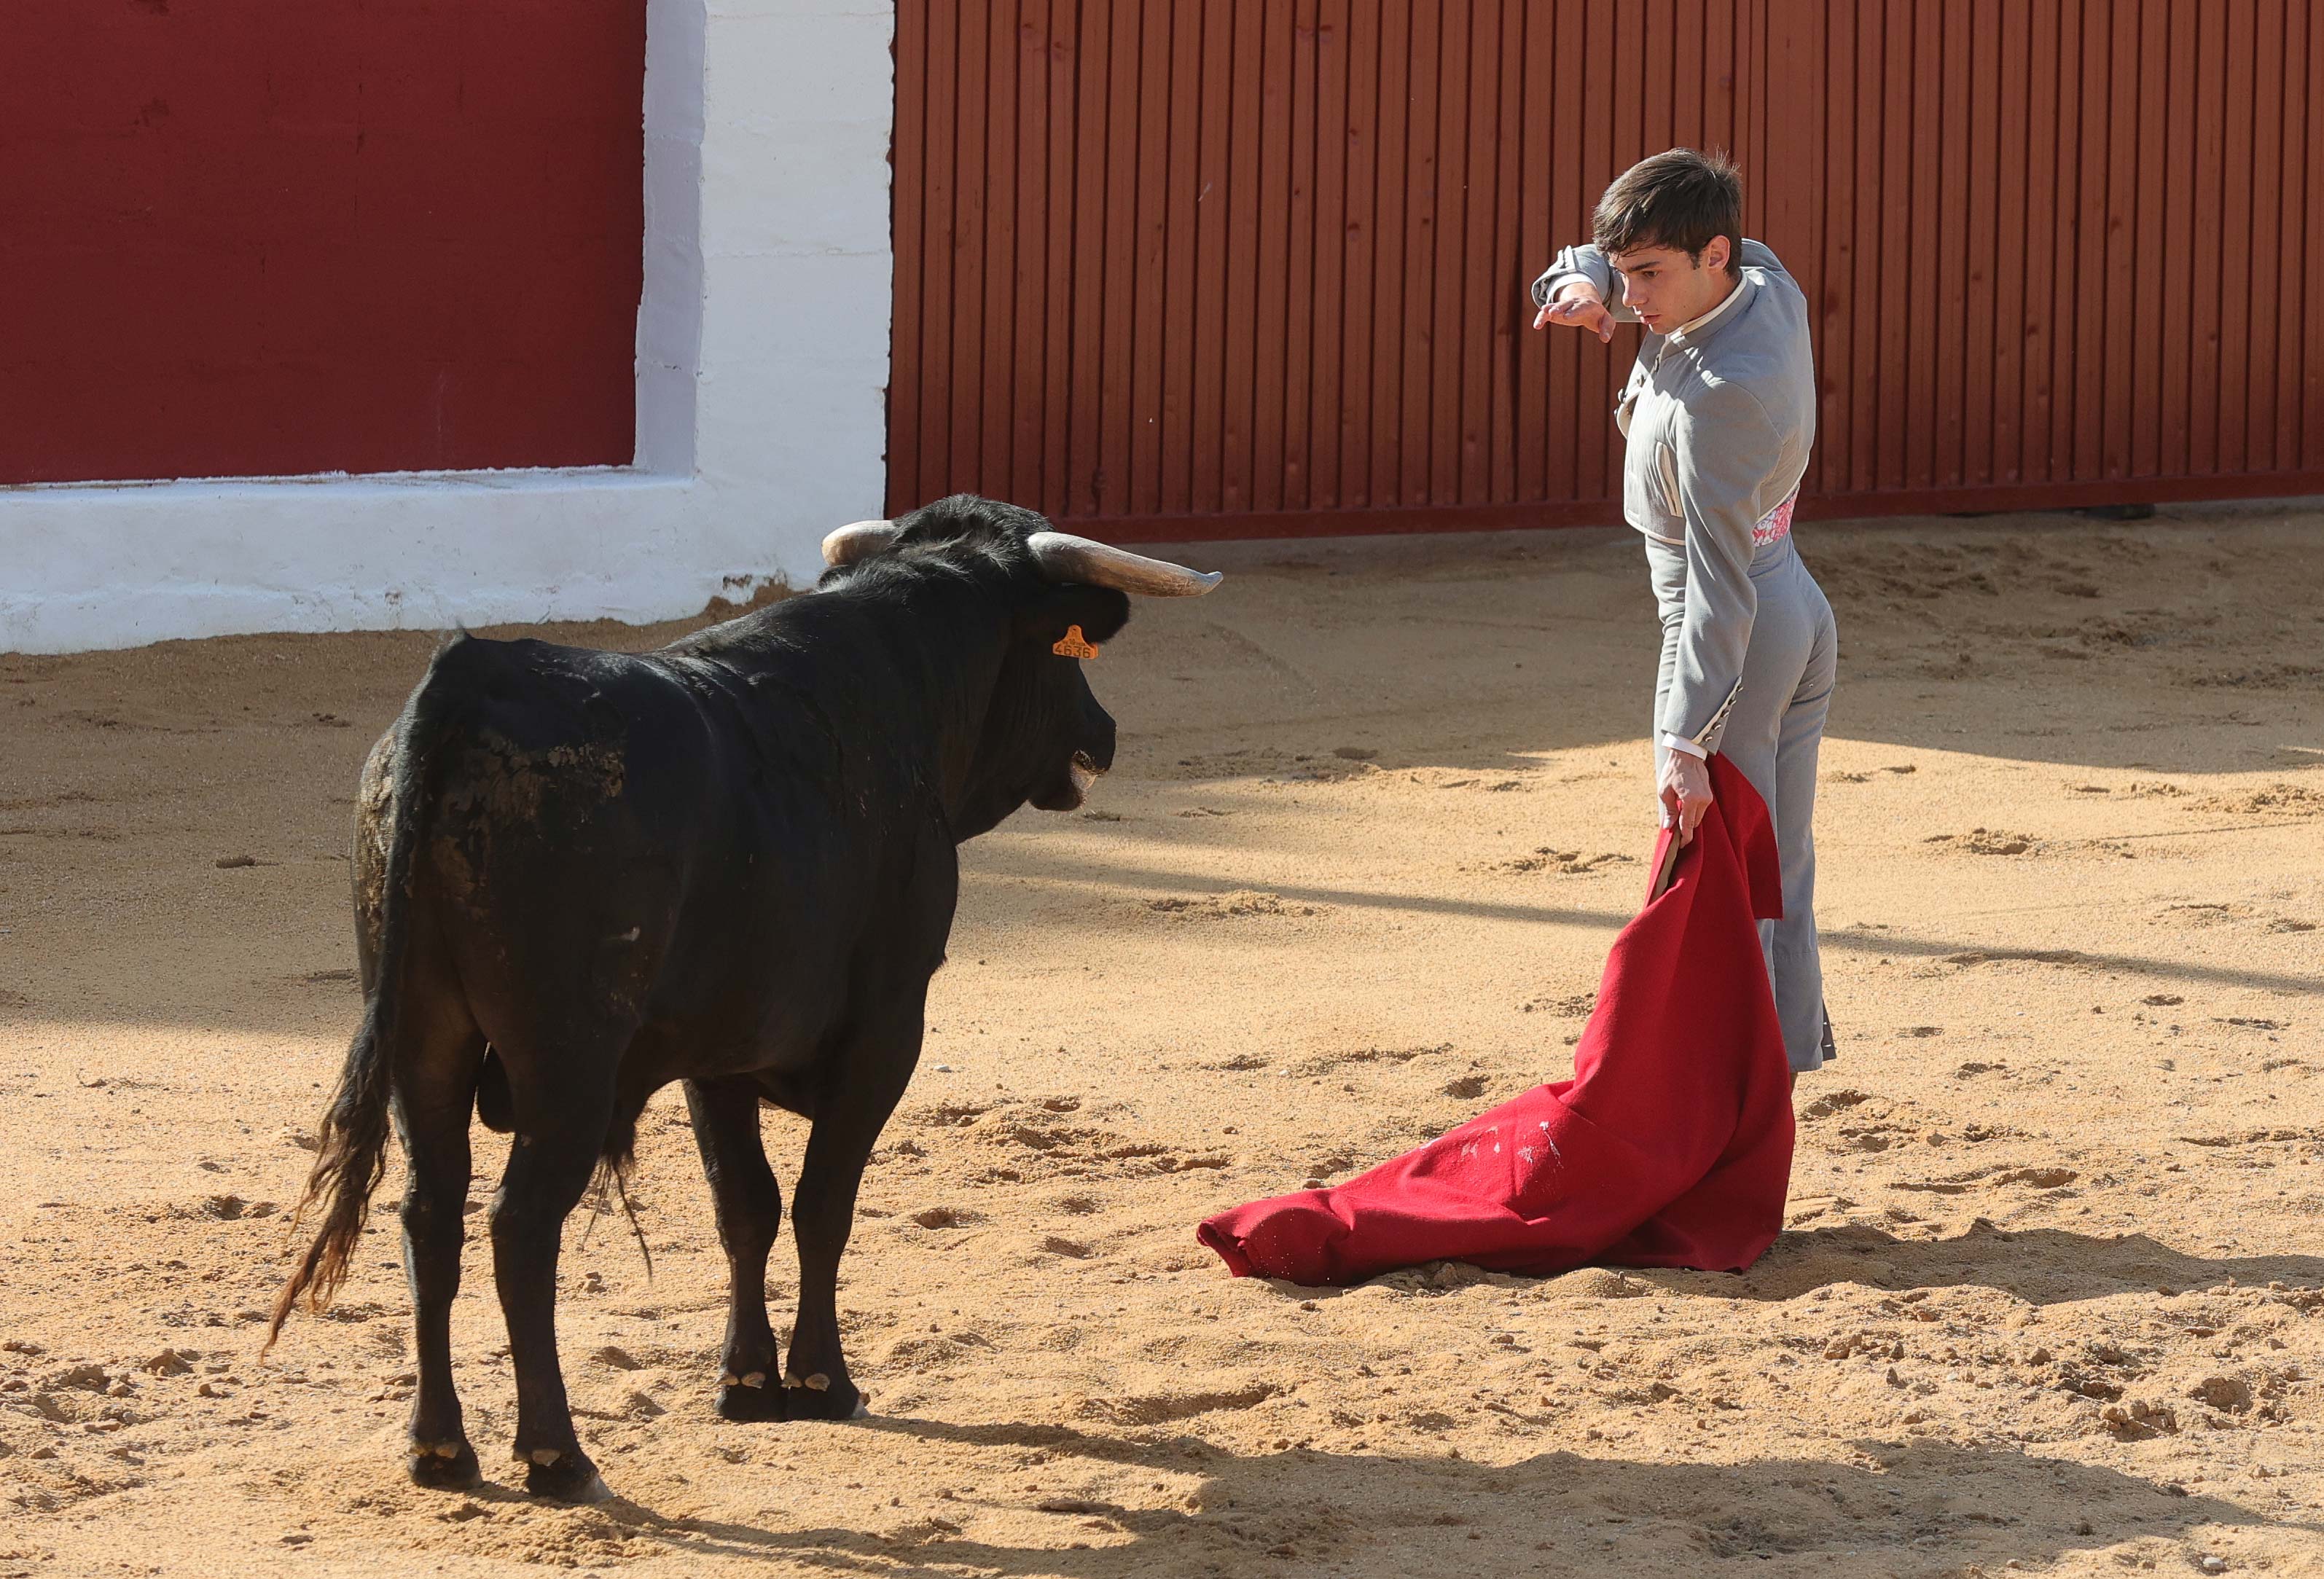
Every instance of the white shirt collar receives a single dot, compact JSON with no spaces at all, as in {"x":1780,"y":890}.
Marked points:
{"x":1726,"y":306}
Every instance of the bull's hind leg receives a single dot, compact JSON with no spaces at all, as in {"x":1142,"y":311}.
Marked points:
{"x":563,"y":1108}
{"x":433,"y":1089}
{"x":750,"y":1207}
{"x":849,"y":1111}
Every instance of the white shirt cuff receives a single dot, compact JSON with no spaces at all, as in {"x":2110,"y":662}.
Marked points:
{"x":1681,"y":743}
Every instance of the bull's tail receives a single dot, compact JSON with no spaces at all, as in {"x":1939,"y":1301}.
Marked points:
{"x":351,"y":1153}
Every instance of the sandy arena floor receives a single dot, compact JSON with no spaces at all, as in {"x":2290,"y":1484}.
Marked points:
{"x":2048,"y":1298}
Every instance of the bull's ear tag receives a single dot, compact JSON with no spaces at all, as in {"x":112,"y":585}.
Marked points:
{"x":1074,"y":644}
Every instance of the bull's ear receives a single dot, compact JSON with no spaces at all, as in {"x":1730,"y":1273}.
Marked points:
{"x":1101,"y":612}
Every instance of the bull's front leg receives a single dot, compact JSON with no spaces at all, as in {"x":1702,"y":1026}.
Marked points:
{"x":750,"y":1209}
{"x":859,"y":1092}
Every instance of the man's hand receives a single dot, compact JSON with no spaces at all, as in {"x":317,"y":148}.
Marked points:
{"x":1686,"y":791}
{"x":1578,"y":306}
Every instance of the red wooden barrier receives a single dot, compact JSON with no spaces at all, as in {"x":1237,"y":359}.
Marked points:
{"x":1171,"y":268}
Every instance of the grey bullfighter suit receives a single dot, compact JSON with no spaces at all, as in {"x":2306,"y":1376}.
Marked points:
{"x":1720,"y":415}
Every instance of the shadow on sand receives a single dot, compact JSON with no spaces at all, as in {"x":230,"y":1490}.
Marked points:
{"x":1910,"y":1507}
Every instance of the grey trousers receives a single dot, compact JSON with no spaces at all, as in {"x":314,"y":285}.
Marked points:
{"x":1772,"y":734}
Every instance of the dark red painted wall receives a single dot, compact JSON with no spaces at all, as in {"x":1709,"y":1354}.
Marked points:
{"x":250,"y":236}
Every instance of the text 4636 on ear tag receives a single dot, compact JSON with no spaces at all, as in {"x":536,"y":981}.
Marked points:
{"x":1074,"y":644}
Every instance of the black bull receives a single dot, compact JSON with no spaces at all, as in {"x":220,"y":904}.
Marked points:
{"x":581,"y":875}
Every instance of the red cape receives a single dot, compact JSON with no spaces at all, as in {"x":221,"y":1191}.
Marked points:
{"x":1670,"y":1147}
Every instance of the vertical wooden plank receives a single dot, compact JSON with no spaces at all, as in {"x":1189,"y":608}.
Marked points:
{"x":1880,"y":275}
{"x":1389,"y":306}
{"x":2042,"y":154}
{"x":2122,"y":220}
{"x":2092,"y":244}
{"x":1247,"y":191}
{"x":1328,"y":309}
{"x":1423,"y":163}
{"x":1182,"y":332}
{"x":1131,"y":255}
{"x":1025,"y":422}
{"x":1477,"y":332}
{"x":1288,"y":476}
{"x":1834,"y":314}
{"x":1501,"y":281}
{"x":1169,"y":79}
{"x":2265,"y":335}
{"x":1564,"y":400}
{"x":964,"y":442}
{"x":2065,"y":273}
{"x":1441,"y":411}
{"x":1626,"y":68}
{"x":2175,"y":110}
{"x":1688,"y":101}
{"x":1210,"y":209}
{"x":2210,"y":177}
{"x":2012,"y":333}
{"x":1941,"y":207}
{"x":2145,"y":229}
{"x":2301,"y":308}
{"x":1981,"y":209}
{"x":1539,"y":157}
{"x":1053,"y":470}
{"x":1594,"y":433}
{"x":907,"y":366}
{"x":2234,"y":242}
{"x":1656,"y":65}
{"x":1095,"y":154}
{"x":1722,"y":125}
{"x":1869,"y":309}
{"x":939,"y":267}
{"x":1361,"y":335}
{"x":1904,"y":352}
{"x":1794,"y":180}
{"x":1923,"y":145}
{"x":995,"y":392}
{"x":2311,"y":388}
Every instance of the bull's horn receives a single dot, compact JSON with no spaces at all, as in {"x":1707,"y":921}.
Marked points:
{"x":857,"y":541}
{"x":1064,"y":557}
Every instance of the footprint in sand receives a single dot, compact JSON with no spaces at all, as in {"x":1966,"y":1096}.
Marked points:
{"x":1987,"y":842}
{"x":1566,"y":863}
{"x":939,"y":1217}
{"x":2298,"y":800}
{"x":1237,"y":904}
{"x":1834,"y":1101}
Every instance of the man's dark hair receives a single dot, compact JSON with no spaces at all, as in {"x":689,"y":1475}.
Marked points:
{"x":1680,"y":200}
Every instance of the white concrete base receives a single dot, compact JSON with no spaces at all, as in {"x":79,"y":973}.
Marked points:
{"x":761,"y":368}
{"x":92,"y":568}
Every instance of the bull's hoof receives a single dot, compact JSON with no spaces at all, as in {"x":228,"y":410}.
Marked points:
{"x":435,"y":1469}
{"x":568,"y":1477}
{"x":832,"y":1402}
{"x":741,"y":1402}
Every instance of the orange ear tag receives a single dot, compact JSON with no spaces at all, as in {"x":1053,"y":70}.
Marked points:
{"x":1075,"y":644}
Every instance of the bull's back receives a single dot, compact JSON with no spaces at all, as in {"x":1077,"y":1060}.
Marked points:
{"x":627,"y":841}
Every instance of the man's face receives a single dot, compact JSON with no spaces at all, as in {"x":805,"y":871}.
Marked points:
{"x":1665,"y":287}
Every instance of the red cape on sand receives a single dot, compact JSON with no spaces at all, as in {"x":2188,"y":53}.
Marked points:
{"x":1670,"y":1147}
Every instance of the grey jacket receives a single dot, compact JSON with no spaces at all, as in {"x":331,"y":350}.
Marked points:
{"x":1719,"y":423}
